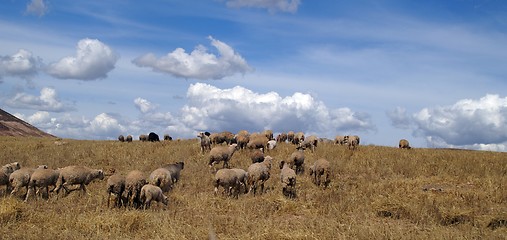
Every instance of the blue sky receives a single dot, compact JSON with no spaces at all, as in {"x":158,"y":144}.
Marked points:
{"x":433,"y":72}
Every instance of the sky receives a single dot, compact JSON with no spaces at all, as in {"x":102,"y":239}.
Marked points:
{"x":433,"y":72}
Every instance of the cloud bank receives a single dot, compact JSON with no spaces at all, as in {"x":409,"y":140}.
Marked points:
{"x":93,"y":61}
{"x":272,"y":5}
{"x":473,"y":124}
{"x":47,"y":101}
{"x":21,"y":64}
{"x":199,"y":64}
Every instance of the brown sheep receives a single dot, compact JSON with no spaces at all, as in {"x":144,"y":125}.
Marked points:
{"x":320,"y":168}
{"x":134,"y":181}
{"x":297,"y":160}
{"x":404,"y":144}
{"x":222,"y":154}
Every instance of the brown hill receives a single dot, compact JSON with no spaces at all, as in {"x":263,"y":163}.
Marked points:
{"x":13,"y":126}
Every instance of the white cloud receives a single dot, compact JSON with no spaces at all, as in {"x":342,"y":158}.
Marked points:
{"x":399,"y":118}
{"x":47,"y":101}
{"x":271,"y":5}
{"x":21,"y":64}
{"x":472,"y":124}
{"x":37,"y":7}
{"x":93,"y":61}
{"x":199,"y":64}
{"x":144,"y":105}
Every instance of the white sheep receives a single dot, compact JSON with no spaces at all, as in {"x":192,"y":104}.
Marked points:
{"x":115,"y":188}
{"x":161,"y":177}
{"x":228,"y":179}
{"x":5,"y":172}
{"x":222,"y":153}
{"x":258,"y":174}
{"x":321,"y":168}
{"x":42,"y":179}
{"x":288,"y":179}
{"x":205,"y":142}
{"x":271,"y":144}
{"x":297,"y":160}
{"x":175,"y":170}
{"x":21,"y":177}
{"x":74,"y":175}
{"x":134,"y":181}
{"x":242,"y":178}
{"x":151,"y":193}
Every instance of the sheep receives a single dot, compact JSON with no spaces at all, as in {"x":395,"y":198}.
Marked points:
{"x":271,"y":144}
{"x":257,"y":142}
{"x":151,"y":193}
{"x":258,"y":174}
{"x":268,"y":134}
{"x":143,"y":137}
{"x":282,"y":137}
{"x":320,"y":168}
{"x":129,"y":138}
{"x":41,"y":179}
{"x":222,"y":137}
{"x":290,"y":136}
{"x":404,"y":144}
{"x":298,"y":137}
{"x":242,"y":178}
{"x":205,"y":142}
{"x":175,"y":169}
{"x":6,"y":171}
{"x":21,"y":177}
{"x":222,"y":153}
{"x":134,"y":181}
{"x":167,"y":137}
{"x":353,"y":142}
{"x":73,"y":175}
{"x":339,"y":140}
{"x":297,"y":160}
{"x":161,"y":177}
{"x":121,"y":138}
{"x":310,"y":142}
{"x":115,"y":187}
{"x":257,"y":156}
{"x":288,"y":179}
{"x":153,"y":137}
{"x":228,"y":179}
{"x":242,"y":140}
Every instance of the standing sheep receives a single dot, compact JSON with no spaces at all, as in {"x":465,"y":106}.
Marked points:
{"x":121,"y":138}
{"x":222,"y":154}
{"x":167,"y":137}
{"x":288,"y":179}
{"x":353,"y":142}
{"x":5,"y":173}
{"x":258,"y":174}
{"x":257,"y":142}
{"x":242,"y":178}
{"x":129,"y":138}
{"x":268,"y":133}
{"x":153,"y":137}
{"x":161,"y":177}
{"x":310,"y":142}
{"x":339,"y":140}
{"x":143,"y":137}
{"x":228,"y":179}
{"x":205,"y":142}
{"x":242,"y":140}
{"x":404,"y":144}
{"x":282,"y":137}
{"x":134,"y":181}
{"x":257,"y":156}
{"x":42,"y":179}
{"x":175,"y":169}
{"x":290,"y":136}
{"x":151,"y":193}
{"x":21,"y":178}
{"x":297,"y":160}
{"x":298,"y":137}
{"x":73,"y":175}
{"x":115,"y":187}
{"x":320,"y":168}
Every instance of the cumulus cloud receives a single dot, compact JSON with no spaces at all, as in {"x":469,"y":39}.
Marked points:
{"x":472,"y":124}
{"x":93,"y":60}
{"x":272,"y":5}
{"x":37,"y":7}
{"x":21,"y":64}
{"x":199,"y":64}
{"x":47,"y":101}
{"x":144,"y":105}
{"x":399,"y":118}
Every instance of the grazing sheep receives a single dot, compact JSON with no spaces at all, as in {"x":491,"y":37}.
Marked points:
{"x":175,"y":169}
{"x":121,"y":138}
{"x":222,"y":153}
{"x":21,"y":178}
{"x":161,"y":177}
{"x":298,"y":137}
{"x":282,"y":137}
{"x":222,"y":137}
{"x":134,"y":181}
{"x":242,"y":178}
{"x":5,"y":172}
{"x":115,"y":187}
{"x":228,"y":179}
{"x":271,"y":144}
{"x":257,"y":142}
{"x":151,"y":193}
{"x":205,"y":142}
{"x":288,"y":179}
{"x":353,"y":142}
{"x":167,"y":137}
{"x":258,"y":174}
{"x":143,"y":137}
{"x":129,"y":138}
{"x":320,"y":168}
{"x":268,"y":134}
{"x":339,"y":140}
{"x":290,"y":136}
{"x":153,"y":137}
{"x":41,"y":179}
{"x":73,"y":175}
{"x":242,"y":140}
{"x":310,"y":142}
{"x":404,"y":144}
{"x":297,"y":160}
{"x":257,"y":156}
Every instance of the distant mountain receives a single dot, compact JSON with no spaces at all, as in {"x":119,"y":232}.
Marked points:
{"x":13,"y":126}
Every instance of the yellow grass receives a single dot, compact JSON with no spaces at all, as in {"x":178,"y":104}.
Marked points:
{"x":375,"y":193}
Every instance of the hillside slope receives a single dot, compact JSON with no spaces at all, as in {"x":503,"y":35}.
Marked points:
{"x":13,"y":126}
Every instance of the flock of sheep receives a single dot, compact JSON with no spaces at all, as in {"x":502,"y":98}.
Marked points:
{"x":137,"y":189}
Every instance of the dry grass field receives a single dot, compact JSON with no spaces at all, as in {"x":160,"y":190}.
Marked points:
{"x":376,"y":192}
